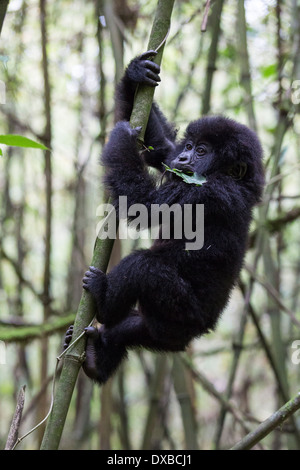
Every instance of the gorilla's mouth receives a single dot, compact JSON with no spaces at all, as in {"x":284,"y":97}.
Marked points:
{"x":184,"y":169}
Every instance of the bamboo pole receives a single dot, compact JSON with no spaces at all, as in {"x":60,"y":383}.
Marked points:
{"x":155,"y":394}
{"x":183,"y":394}
{"x":246,"y":81}
{"x":47,"y":140}
{"x":212,"y":54}
{"x":102,"y":251}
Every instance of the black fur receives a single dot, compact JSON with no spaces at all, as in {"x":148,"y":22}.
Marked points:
{"x":180,"y":294}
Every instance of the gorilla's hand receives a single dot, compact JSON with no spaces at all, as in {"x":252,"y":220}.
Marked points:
{"x":102,"y":359}
{"x":144,"y":71}
{"x":93,"y":343}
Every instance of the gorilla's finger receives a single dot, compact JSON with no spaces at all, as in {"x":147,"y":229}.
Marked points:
{"x":152,"y":66}
{"x":91,"y":332}
{"x":153,"y":76}
{"x":148,"y":81}
{"x":95,"y":270}
{"x":148,"y":54}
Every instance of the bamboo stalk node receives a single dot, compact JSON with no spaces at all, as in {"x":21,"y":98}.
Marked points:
{"x":76,"y":358}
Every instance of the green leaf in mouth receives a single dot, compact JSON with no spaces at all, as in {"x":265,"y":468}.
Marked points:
{"x":191,"y":178}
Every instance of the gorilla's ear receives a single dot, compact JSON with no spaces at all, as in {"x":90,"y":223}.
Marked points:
{"x":238,"y":170}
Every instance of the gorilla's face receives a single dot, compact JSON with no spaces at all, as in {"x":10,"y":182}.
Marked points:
{"x":196,"y":157}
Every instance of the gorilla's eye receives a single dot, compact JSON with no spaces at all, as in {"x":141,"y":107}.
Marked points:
{"x":201,"y":150}
{"x":188,"y":146}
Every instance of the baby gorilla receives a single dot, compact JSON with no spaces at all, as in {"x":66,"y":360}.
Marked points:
{"x":163,"y":297}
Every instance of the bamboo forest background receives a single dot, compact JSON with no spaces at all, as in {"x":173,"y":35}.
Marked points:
{"x":59,"y":63}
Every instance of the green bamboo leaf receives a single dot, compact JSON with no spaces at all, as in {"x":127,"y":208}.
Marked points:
{"x":193,"y":178}
{"x":14,"y":140}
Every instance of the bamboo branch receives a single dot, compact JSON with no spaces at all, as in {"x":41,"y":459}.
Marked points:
{"x":16,"y":421}
{"x":274,"y":294}
{"x":18,"y":272}
{"x":209,"y":387}
{"x":205,"y":17}
{"x":24,"y":333}
{"x":102,"y":251}
{"x":3,"y":8}
{"x":269,"y":424}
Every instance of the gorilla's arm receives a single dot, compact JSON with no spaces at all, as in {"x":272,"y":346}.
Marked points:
{"x":126,"y":175}
{"x":160,"y":134}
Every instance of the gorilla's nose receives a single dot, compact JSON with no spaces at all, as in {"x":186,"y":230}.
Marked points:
{"x":184,"y":158}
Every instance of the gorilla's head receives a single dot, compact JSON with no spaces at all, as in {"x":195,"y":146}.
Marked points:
{"x":218,"y":145}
